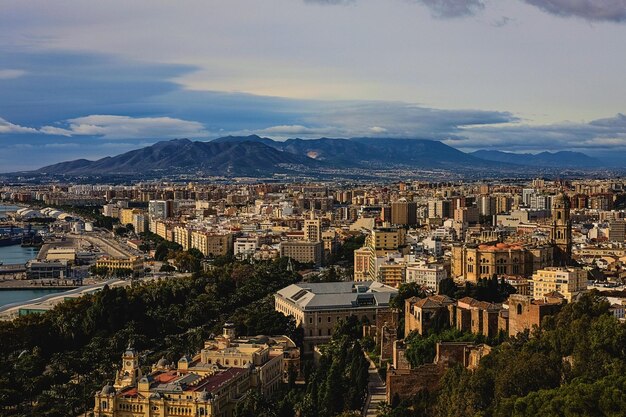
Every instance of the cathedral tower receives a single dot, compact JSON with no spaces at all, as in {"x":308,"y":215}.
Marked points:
{"x":561,"y":229}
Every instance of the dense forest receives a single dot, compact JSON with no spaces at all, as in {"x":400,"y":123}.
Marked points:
{"x":573,"y":366}
{"x":51,"y":364}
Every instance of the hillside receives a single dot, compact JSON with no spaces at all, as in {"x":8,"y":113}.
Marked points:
{"x":183,"y":155}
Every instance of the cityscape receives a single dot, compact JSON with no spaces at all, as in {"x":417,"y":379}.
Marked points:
{"x":313,"y":208}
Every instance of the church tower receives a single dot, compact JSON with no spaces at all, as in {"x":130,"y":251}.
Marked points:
{"x":130,"y":372}
{"x":561,"y":230}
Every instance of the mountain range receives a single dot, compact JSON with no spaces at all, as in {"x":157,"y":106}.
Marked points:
{"x":258,"y":156}
{"x":544,"y":159}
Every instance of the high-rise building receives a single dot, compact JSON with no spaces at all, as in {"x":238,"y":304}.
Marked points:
{"x":404,"y":212}
{"x":440,"y":209}
{"x":313,"y":229}
{"x":160,"y":209}
{"x":617,"y":230}
{"x":486,"y":205}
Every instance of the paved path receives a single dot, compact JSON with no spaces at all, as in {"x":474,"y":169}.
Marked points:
{"x":377,"y":391}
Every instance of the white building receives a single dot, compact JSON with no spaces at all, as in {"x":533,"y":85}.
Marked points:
{"x":426,"y":275}
{"x":245,"y":246}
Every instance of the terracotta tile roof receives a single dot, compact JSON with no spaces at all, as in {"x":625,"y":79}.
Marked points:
{"x":214,"y":382}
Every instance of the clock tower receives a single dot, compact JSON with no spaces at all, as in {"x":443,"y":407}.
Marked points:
{"x":130,"y":372}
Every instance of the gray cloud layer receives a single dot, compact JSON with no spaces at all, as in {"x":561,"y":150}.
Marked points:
{"x":452,"y":8}
{"x":594,"y":10}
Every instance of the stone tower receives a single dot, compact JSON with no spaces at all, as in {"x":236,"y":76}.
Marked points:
{"x":130,"y":372}
{"x":561,"y":229}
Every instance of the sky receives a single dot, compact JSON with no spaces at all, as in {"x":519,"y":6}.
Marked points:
{"x":82,"y":79}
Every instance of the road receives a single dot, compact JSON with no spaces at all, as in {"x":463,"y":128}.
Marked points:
{"x":377,"y":391}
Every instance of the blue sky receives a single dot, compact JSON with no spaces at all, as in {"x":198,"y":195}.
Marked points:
{"x":85,"y":80}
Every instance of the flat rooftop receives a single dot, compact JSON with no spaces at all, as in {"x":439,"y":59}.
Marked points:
{"x":338,"y":295}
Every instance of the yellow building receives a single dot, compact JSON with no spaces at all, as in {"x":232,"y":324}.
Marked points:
{"x":126,"y":215}
{"x":380,"y":242}
{"x":182,"y":236}
{"x":303,"y":252}
{"x":209,"y":385}
{"x":312,"y":229}
{"x":472,"y":262}
{"x":164,"y":229}
{"x":211,"y":244}
{"x":134,"y":263}
{"x":392,"y":273}
{"x":569,"y":282}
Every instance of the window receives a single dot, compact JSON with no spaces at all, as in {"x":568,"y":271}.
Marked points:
{"x":519,"y":309}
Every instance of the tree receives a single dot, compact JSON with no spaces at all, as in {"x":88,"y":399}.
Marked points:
{"x":406,"y":291}
{"x":121,"y":231}
{"x":447,"y":287}
{"x":161,"y":252}
{"x":167,"y":268}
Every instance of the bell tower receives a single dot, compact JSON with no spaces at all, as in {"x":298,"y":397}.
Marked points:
{"x":561,"y":229}
{"x":130,"y":372}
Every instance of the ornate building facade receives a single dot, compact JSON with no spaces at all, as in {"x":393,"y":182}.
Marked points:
{"x":210,"y":384}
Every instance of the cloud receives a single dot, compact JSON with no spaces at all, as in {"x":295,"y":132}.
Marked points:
{"x":8,"y":74}
{"x":284,"y":131}
{"x":7,"y":127}
{"x":503,"y":21}
{"x":593,"y":10}
{"x":443,"y":9}
{"x":602,"y":135}
{"x":124,"y":127}
{"x":401,"y":120}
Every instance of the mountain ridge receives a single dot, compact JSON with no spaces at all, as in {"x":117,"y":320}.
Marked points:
{"x":259,"y":156}
{"x":563,"y":159}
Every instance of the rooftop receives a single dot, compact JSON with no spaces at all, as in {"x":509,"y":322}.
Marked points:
{"x":319,"y":296}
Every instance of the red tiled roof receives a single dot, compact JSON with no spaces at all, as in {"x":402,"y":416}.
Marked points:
{"x":129,"y":392}
{"x":165,"y":377}
{"x":216,"y":381}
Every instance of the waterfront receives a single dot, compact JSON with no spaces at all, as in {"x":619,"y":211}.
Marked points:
{"x":7,"y":209}
{"x":15,"y":296}
{"x":16,"y":254}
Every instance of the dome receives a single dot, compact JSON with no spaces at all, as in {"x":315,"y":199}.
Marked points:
{"x":162,"y":363}
{"x":107,"y":390}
